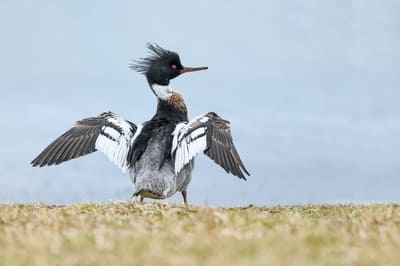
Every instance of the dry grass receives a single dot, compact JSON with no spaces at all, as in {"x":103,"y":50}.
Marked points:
{"x":129,"y":234}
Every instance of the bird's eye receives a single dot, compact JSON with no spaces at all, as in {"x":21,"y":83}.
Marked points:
{"x":173,"y":67}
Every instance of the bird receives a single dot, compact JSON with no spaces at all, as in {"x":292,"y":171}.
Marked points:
{"x":158,"y":154}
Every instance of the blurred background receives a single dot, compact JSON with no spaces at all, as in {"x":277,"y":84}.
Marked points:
{"x":311,"y":89}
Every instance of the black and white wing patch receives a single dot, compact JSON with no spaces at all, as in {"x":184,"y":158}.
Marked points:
{"x":108,"y":133}
{"x":210,"y":134}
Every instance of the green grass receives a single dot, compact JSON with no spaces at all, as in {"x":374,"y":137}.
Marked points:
{"x":134,"y":234}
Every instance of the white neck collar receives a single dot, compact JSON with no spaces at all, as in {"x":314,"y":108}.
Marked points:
{"x":163,"y":92}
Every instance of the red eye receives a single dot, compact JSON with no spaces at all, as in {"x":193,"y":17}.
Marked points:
{"x":173,"y":67}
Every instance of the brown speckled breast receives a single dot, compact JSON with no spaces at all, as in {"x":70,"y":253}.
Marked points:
{"x":177,"y":101}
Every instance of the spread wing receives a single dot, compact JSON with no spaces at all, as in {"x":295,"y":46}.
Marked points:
{"x":210,"y":134}
{"x":108,"y":133}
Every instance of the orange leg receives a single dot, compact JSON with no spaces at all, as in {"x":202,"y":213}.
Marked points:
{"x":184,"y":195}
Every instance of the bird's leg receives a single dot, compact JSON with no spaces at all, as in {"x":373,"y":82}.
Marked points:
{"x":184,"y":195}
{"x":134,"y":198}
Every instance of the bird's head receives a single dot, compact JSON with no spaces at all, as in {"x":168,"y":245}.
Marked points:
{"x":161,"y":65}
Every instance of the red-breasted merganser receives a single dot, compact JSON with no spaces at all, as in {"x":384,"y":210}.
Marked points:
{"x":159,"y":153}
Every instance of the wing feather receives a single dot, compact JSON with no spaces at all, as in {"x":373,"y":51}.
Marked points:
{"x":108,"y":133}
{"x":210,"y":134}
{"x":55,"y":153}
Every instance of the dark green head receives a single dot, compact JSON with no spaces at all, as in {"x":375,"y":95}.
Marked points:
{"x":161,"y":65}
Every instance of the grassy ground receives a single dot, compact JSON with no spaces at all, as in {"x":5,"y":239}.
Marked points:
{"x":129,"y":234}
